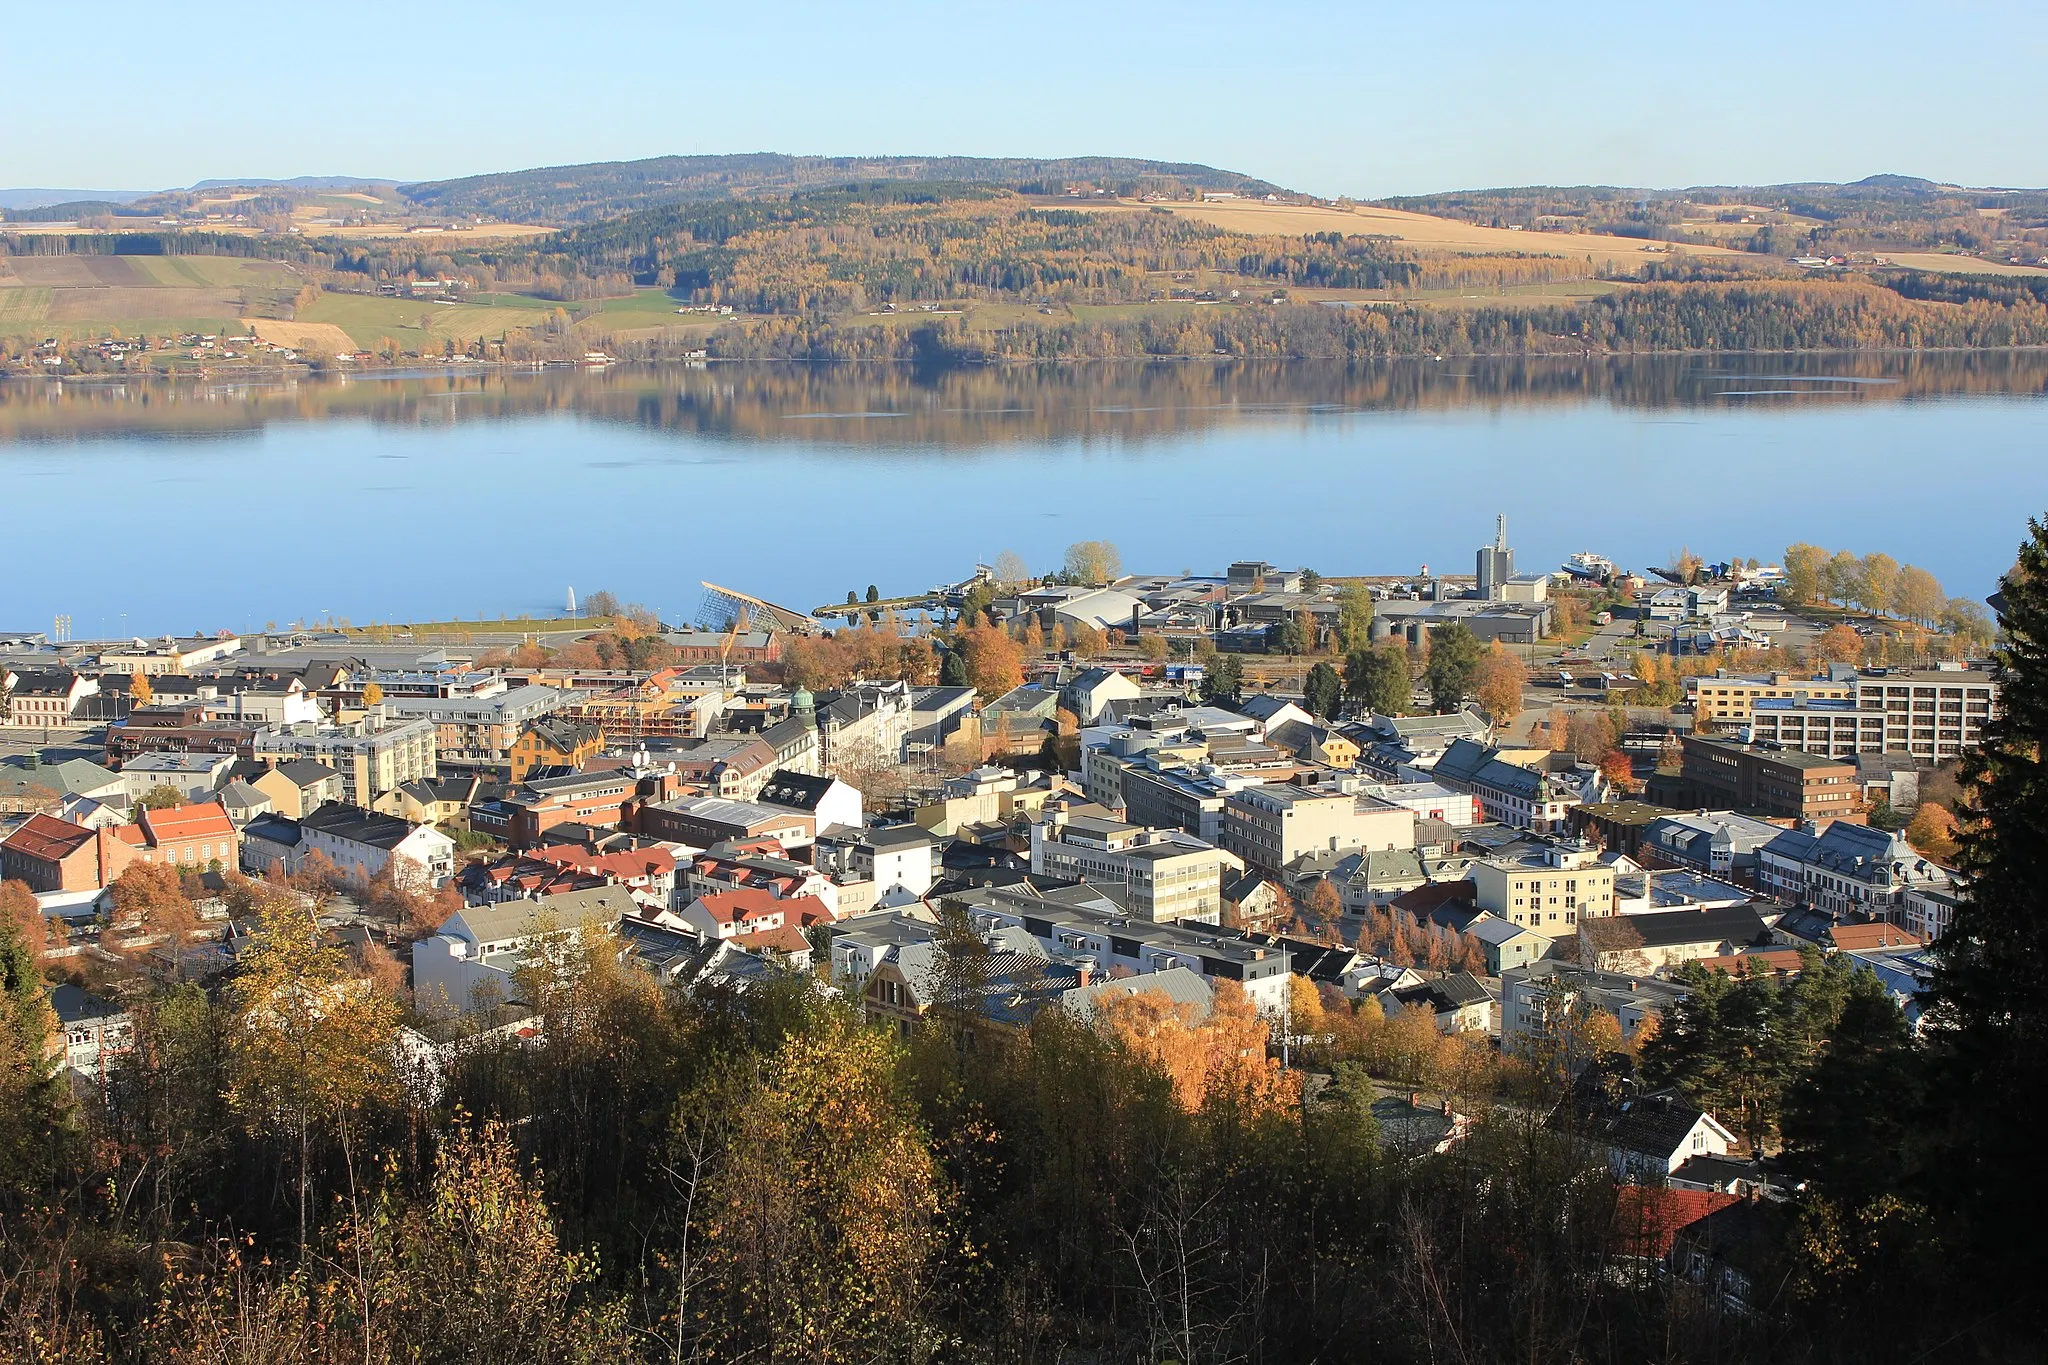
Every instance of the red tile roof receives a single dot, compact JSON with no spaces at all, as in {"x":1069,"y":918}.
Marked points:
{"x":47,"y":838}
{"x":1647,"y":1218}
{"x":1867,"y":936}
{"x":204,"y":821}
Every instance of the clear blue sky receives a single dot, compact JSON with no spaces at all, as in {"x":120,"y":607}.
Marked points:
{"x":1358,"y":98}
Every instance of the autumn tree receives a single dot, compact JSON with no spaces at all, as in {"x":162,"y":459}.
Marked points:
{"x":1224,"y":1055}
{"x":1844,"y":574}
{"x":992,"y":661}
{"x":373,"y":694}
{"x":1805,"y":574}
{"x":819,"y":1224}
{"x":140,"y":691}
{"x":1093,"y":561}
{"x":1617,"y":767}
{"x":1877,"y":583}
{"x":1010,"y":570}
{"x":1919,"y":597}
{"x":1498,"y":683}
{"x":152,"y":897}
{"x":1932,"y":830}
{"x":1838,"y":645}
{"x":311,"y":1043}
{"x":1354,"y":617}
{"x":18,"y":906}
{"x":1153,"y":648}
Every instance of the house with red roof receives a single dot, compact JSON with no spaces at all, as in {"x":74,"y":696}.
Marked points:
{"x":51,"y":854}
{"x":749,"y":910}
{"x":194,"y":836}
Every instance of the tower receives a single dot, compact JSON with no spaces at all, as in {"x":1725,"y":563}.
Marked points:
{"x":1496,"y":562}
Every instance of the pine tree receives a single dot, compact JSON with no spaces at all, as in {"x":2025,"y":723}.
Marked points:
{"x":1322,"y":691}
{"x":1991,"y":1059}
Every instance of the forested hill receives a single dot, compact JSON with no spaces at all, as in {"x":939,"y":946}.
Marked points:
{"x":1877,"y":213}
{"x":602,"y":189}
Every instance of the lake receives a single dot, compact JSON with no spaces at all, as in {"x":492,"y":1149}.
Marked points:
{"x":144,"y":507}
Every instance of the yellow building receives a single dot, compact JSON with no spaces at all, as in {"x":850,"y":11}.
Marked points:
{"x":1549,"y":892}
{"x":1726,"y":698}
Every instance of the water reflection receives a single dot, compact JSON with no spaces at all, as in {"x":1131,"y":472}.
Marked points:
{"x":896,"y":406}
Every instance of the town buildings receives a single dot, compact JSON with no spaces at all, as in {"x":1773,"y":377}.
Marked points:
{"x":1551,"y":891}
{"x":1165,"y":875}
{"x":1721,"y":774}
{"x":1273,"y":824}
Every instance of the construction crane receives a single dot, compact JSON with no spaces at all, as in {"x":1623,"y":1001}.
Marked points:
{"x":732,"y":638}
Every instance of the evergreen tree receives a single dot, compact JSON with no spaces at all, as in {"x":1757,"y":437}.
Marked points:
{"x":1323,"y":690}
{"x":952,"y":670}
{"x":1989,"y":1002}
{"x":1453,"y":664}
{"x":1378,"y":680}
{"x":1849,"y":1123}
{"x":1223,"y":681}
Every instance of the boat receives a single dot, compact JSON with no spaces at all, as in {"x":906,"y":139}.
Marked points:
{"x":1586,"y":564}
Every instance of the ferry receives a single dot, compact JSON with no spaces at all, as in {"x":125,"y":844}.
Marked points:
{"x":1586,"y":564}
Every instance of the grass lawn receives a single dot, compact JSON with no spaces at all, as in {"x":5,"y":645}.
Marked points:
{"x":498,"y":627}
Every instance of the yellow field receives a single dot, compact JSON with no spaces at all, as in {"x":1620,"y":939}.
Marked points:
{"x":479,"y":232}
{"x":1418,"y":230}
{"x":321,"y":338}
{"x":1961,"y":265}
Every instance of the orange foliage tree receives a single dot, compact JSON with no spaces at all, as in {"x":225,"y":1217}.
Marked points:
{"x":1223,"y":1056}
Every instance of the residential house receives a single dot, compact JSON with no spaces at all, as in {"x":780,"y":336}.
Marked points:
{"x":42,"y":698}
{"x":1737,"y":1254}
{"x":196,"y":836}
{"x":1648,"y":943}
{"x":242,"y":802}
{"x":1508,"y":793}
{"x":1272,"y":824}
{"x":1165,"y":874}
{"x":372,"y":756}
{"x":1256,"y":901}
{"x":94,"y":1032}
{"x":1536,"y":1000}
{"x":553,"y":743}
{"x":1551,"y":890}
{"x":826,"y":799}
{"x":193,"y":776}
{"x":1719,"y":843}
{"x":1457,"y":1001}
{"x":1645,"y":1137}
{"x":471,"y":961}
{"x":751,"y":917}
{"x":364,"y":844}
{"x":1090,"y":691}
{"x":297,"y":785}
{"x":702,"y":821}
{"x":431,"y":801}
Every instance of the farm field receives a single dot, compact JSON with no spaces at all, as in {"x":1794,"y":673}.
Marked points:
{"x":74,"y":296}
{"x":1950,"y":264}
{"x":368,"y":319}
{"x":1418,"y":230}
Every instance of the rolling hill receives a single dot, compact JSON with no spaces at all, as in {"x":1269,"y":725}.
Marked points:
{"x":605,"y":189}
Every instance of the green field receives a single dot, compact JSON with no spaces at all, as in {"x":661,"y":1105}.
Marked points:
{"x":369,"y":319}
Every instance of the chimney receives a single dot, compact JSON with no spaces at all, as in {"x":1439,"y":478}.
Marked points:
{"x":1085,"y":968}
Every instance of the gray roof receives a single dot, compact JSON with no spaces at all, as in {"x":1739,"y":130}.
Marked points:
{"x":339,"y":821}
{"x":603,"y":905}
{"x":1177,"y":984}
{"x":305,"y":772}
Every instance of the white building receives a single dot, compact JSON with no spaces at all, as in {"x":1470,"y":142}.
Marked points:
{"x":471,"y":961}
{"x":192,"y":776}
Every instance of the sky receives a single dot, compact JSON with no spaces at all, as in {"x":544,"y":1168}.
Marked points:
{"x":1360,"y":97}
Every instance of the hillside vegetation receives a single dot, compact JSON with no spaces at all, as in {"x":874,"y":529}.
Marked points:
{"x":561,"y":194}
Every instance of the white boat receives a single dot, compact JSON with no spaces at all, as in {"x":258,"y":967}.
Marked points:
{"x":1586,"y":564}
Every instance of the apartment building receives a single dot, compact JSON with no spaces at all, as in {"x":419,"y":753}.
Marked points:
{"x":372,"y":756}
{"x":1728,"y":699}
{"x":1272,"y":824}
{"x":1166,"y":874}
{"x":1549,"y":891}
{"x":1929,"y":713}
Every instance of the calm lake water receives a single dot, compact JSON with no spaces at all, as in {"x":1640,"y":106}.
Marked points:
{"x":141,"y":508}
